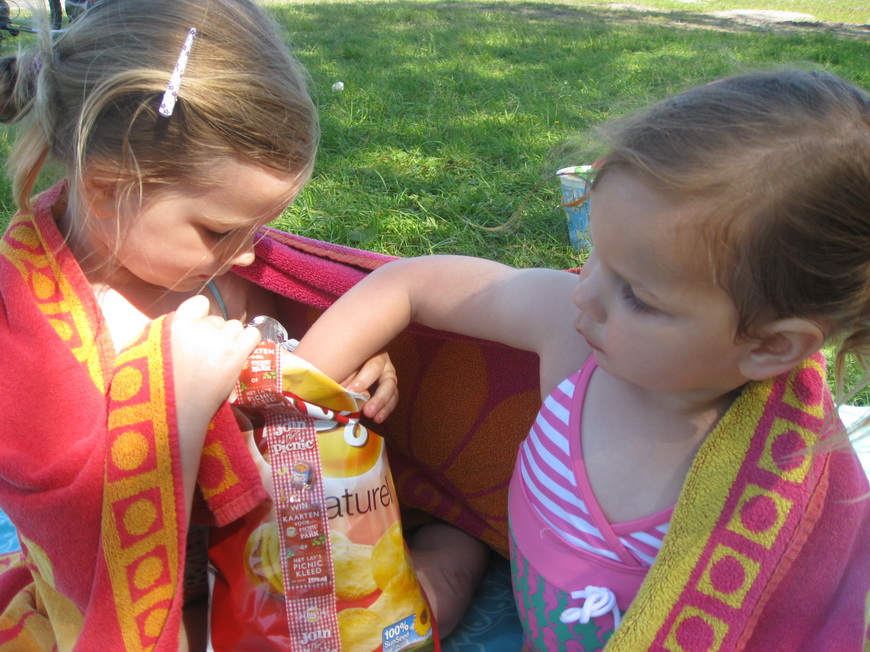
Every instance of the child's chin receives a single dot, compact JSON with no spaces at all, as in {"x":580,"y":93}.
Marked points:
{"x":192,"y":284}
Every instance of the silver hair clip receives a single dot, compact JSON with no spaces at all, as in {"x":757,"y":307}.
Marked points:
{"x":170,"y":97}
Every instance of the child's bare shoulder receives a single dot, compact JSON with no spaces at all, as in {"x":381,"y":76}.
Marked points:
{"x":563,"y":350}
{"x":563,"y":355}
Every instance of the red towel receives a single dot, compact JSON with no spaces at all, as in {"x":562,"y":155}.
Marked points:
{"x":89,"y":470}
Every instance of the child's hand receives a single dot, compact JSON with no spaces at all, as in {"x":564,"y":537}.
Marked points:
{"x":208,"y":353}
{"x":377,"y":369}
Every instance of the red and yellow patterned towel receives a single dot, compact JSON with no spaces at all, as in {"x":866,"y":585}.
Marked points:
{"x":89,"y":471}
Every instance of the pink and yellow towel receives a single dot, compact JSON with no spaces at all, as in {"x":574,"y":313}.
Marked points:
{"x":769,"y":545}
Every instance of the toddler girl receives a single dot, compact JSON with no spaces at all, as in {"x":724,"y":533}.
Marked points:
{"x":672,"y":493}
{"x":181,"y":126}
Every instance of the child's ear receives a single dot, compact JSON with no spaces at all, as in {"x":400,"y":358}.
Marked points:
{"x":100,"y":190}
{"x":779,"y":346}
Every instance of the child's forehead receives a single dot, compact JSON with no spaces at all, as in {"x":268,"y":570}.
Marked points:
{"x":652,"y":228}
{"x":224,"y":213}
{"x":263,"y":191}
{"x":635,"y":200}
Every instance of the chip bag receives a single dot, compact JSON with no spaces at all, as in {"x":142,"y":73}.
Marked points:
{"x":323,"y":565}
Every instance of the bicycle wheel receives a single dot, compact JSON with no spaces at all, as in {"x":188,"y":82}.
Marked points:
{"x":55,"y":13}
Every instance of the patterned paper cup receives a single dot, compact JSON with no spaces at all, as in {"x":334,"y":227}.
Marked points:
{"x":575,"y":182}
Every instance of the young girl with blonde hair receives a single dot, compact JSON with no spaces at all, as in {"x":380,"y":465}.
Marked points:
{"x":676,"y":491}
{"x":181,"y":127}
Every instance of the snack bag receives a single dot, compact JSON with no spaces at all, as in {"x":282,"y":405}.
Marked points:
{"x":323,"y":566}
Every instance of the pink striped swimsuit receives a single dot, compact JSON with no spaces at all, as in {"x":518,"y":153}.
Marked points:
{"x":562,"y":542}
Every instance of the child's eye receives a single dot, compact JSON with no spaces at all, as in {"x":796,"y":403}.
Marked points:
{"x":217,"y":235}
{"x":633,"y":302}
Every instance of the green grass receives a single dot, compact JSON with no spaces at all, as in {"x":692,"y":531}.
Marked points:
{"x":454,"y":113}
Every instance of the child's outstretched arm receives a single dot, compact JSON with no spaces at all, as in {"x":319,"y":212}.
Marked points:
{"x":208,"y":353}
{"x":526,"y":309}
{"x":377,"y":373}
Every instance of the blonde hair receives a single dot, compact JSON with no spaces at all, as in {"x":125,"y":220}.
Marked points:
{"x":782,"y":159}
{"x":93,"y":96}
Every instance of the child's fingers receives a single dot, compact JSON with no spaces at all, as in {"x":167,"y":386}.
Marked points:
{"x":379,"y":415}
{"x":234,"y":339}
{"x":360,"y":381}
{"x":195,"y":307}
{"x":249,"y":338}
{"x":383,"y":401}
{"x":378,"y":368}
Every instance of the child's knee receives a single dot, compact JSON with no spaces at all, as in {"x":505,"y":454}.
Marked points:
{"x":450,"y":564}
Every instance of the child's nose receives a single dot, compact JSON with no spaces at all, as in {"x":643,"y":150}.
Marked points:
{"x":241,"y":256}
{"x":587,"y":294}
{"x":243,"y":259}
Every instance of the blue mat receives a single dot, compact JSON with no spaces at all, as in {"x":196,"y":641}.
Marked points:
{"x":492,"y":623}
{"x":8,"y":538}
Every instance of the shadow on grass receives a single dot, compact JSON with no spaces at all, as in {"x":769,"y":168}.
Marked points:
{"x":460,"y":108}
{"x":751,"y":22}
{"x":624,"y":14}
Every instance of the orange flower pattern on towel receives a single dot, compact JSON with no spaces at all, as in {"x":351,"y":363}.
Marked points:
{"x":463,"y":418}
